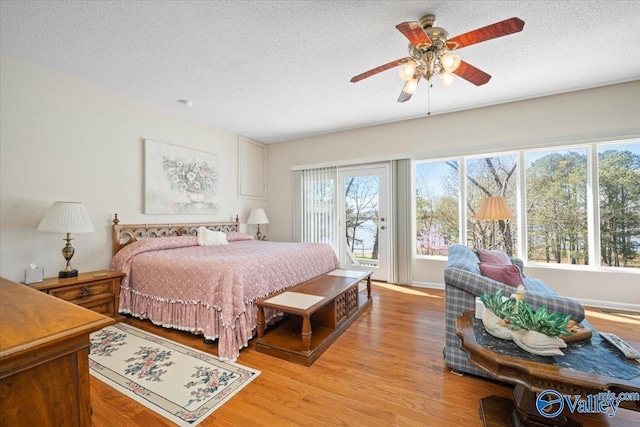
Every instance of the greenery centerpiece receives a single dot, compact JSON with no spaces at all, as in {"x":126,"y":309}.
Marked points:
{"x":534,"y":331}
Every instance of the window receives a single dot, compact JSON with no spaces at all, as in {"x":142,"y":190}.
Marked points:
{"x":486,"y":177}
{"x":619,"y":185}
{"x":437,"y":207}
{"x":577,"y":205}
{"x":556,"y":206}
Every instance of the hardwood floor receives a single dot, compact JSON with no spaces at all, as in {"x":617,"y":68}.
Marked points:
{"x":385,"y":370}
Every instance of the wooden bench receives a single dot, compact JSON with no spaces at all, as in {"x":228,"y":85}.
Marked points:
{"x":321,"y":309}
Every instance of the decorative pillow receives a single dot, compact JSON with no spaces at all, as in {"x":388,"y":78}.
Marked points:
{"x":208,"y":237}
{"x":494,"y":257}
{"x":507,"y":274}
{"x":235,"y":236}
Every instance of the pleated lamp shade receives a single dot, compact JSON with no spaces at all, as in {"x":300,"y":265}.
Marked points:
{"x":66,"y":217}
{"x":258,"y":216}
{"x":494,"y":208}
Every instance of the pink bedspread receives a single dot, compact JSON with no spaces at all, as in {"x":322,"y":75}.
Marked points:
{"x":210,"y":289}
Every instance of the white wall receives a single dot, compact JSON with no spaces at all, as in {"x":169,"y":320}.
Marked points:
{"x":67,"y":139}
{"x":605,"y":113}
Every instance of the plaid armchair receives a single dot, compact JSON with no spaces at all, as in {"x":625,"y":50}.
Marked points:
{"x":463,"y":283}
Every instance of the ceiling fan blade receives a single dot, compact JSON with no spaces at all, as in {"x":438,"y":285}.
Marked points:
{"x":414,"y":32}
{"x":379,"y":69}
{"x":405,"y":96}
{"x":499,"y":29}
{"x":472,"y":74}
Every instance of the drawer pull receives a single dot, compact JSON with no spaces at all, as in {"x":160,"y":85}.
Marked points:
{"x":85,"y":293}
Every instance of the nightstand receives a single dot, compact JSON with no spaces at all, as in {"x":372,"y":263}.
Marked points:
{"x":96,"y":290}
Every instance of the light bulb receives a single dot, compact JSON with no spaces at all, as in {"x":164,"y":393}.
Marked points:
{"x":449,"y":62}
{"x":407,"y":69}
{"x":410,"y":86}
{"x":446,"y":79}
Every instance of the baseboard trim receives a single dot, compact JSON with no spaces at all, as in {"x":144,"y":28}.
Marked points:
{"x":609,"y":305}
{"x":428,"y":285}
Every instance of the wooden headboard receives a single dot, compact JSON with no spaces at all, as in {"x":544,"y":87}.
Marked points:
{"x":123,"y":234}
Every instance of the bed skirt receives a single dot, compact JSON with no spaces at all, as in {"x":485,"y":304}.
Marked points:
{"x":198,"y":318}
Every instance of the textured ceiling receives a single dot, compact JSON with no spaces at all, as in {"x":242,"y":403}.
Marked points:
{"x":280,"y":70}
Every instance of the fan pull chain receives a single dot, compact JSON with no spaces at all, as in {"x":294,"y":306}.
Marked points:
{"x":429,"y":98}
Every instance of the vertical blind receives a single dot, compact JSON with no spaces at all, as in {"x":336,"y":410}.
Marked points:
{"x":402,"y":217}
{"x":317,"y":206}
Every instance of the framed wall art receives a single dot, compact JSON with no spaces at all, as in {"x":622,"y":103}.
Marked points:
{"x":180,"y":180}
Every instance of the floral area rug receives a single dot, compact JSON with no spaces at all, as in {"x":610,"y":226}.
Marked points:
{"x":179,"y":383}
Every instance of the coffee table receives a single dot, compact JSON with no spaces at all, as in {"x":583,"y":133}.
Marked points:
{"x":320,"y":308}
{"x":588,"y":367}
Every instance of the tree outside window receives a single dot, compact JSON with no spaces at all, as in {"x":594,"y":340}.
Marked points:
{"x":437,"y":207}
{"x":361,"y":216}
{"x":556,"y":203}
{"x":619,"y":185}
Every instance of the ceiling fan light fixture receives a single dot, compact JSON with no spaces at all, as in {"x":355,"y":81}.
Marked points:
{"x":410,"y":86}
{"x":429,"y":55}
{"x":407,"y":70}
{"x":450,"y":62}
{"x":446,"y":79}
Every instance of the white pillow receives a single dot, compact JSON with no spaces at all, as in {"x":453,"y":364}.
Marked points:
{"x":208,"y":237}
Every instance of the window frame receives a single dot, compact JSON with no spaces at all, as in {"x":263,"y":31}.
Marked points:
{"x":592,"y":204}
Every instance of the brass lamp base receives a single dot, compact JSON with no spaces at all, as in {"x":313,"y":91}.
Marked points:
{"x":67,"y":253}
{"x":64,"y":273}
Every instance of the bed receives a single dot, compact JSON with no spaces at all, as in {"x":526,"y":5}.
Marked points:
{"x":208,"y":290}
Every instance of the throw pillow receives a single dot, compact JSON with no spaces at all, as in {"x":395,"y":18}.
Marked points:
{"x":208,"y":237}
{"x":507,"y":274}
{"x":494,"y":257}
{"x":236,"y":236}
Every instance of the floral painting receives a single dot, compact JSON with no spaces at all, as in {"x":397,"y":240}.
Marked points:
{"x":180,"y":180}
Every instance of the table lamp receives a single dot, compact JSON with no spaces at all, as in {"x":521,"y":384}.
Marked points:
{"x":257,"y":216}
{"x":66,"y":217}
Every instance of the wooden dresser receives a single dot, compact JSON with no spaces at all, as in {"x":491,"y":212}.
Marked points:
{"x":44,"y":358}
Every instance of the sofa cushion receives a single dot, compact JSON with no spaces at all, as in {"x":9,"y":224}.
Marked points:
{"x":538,"y":286}
{"x":507,"y":274}
{"x":463,"y":258}
{"x":494,"y":257}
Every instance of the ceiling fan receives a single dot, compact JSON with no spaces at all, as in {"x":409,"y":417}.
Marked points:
{"x":429,"y":55}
